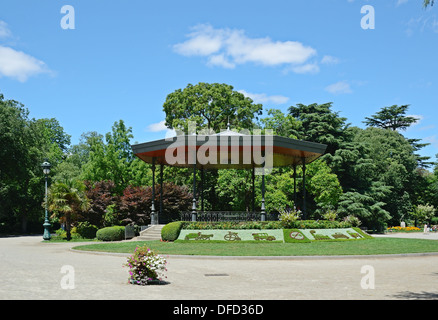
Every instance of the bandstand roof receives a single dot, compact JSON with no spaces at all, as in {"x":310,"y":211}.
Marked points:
{"x":231,"y":150}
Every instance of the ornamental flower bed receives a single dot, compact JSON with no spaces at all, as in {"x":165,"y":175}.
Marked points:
{"x":403,"y":229}
{"x":146,"y":267}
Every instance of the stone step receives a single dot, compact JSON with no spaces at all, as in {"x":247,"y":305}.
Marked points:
{"x":151,"y":233}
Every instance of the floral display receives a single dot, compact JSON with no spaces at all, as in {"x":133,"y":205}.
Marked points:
{"x":146,"y":266}
{"x":403,"y":229}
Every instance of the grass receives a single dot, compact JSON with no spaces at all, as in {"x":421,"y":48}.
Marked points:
{"x":374,"y":246}
{"x":57,"y":238}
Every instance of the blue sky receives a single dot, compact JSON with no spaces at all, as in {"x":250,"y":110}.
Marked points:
{"x":124,"y":57}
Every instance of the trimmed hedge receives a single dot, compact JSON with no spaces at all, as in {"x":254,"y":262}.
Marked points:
{"x":299,"y":224}
{"x":230,"y":225}
{"x":171,"y":231}
{"x":116,"y":233}
{"x":319,"y":224}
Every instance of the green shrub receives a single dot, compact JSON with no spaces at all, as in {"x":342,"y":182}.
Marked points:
{"x":298,"y":224}
{"x":330,"y":215}
{"x":170,"y":231}
{"x":62,"y":234}
{"x":86,"y":230}
{"x":115,"y":233}
{"x":289,"y":217}
{"x":353,"y":220}
{"x":320,"y":224}
{"x":231,"y":225}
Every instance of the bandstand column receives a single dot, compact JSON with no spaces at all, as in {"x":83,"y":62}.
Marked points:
{"x":194,"y":194}
{"x":295,"y":185}
{"x":253,"y":190}
{"x":304,"y":189}
{"x":153,"y":217}
{"x":263,"y":210}
{"x":202,"y":190}
{"x":161,"y":194}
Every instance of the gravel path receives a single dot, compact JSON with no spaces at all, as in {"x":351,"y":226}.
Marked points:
{"x":32,"y":270}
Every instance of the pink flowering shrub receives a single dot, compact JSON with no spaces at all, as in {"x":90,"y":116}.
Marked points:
{"x":145,"y":266}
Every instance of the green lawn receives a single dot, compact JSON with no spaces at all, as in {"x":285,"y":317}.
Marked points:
{"x":318,"y":248}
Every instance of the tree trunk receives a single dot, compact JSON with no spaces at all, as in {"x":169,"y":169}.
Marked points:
{"x":68,"y":226}
{"x":24,"y":223}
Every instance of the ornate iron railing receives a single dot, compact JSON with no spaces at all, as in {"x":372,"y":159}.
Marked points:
{"x":218,"y":216}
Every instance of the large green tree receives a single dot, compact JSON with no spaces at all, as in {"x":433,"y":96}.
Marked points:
{"x":319,"y":123}
{"x":25,"y":143}
{"x":367,"y":205}
{"x":394,"y":165}
{"x":281,"y":124}
{"x":393,"y":118}
{"x":113,"y":159}
{"x":211,"y":106}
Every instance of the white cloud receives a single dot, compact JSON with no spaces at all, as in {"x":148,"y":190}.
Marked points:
{"x":159,"y":127}
{"x":339,"y":88}
{"x":16,"y":64}
{"x":329,"y":60}
{"x":433,"y":140}
{"x":221,"y":61}
{"x":19,"y":65}
{"x":170,"y":133}
{"x":424,"y":23}
{"x":4,"y":30}
{"x":400,"y":2}
{"x":230,"y":47}
{"x":429,"y":127}
{"x":419,"y":117}
{"x":416,"y":116}
{"x":204,"y":40}
{"x":264,"y":98}
{"x":306,"y":68}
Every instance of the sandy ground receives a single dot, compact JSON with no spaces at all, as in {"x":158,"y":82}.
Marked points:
{"x":33,"y":270}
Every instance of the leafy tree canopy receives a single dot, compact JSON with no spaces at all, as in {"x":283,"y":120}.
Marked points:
{"x":211,"y":106}
{"x":393,"y":118}
{"x":281,"y":124}
{"x":320,"y":124}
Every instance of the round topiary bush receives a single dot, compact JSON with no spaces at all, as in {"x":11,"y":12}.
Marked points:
{"x":170,"y":231}
{"x":86,"y":230}
{"x":115,"y":233}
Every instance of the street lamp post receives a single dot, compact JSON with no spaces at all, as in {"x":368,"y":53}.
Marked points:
{"x":46,"y":170}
